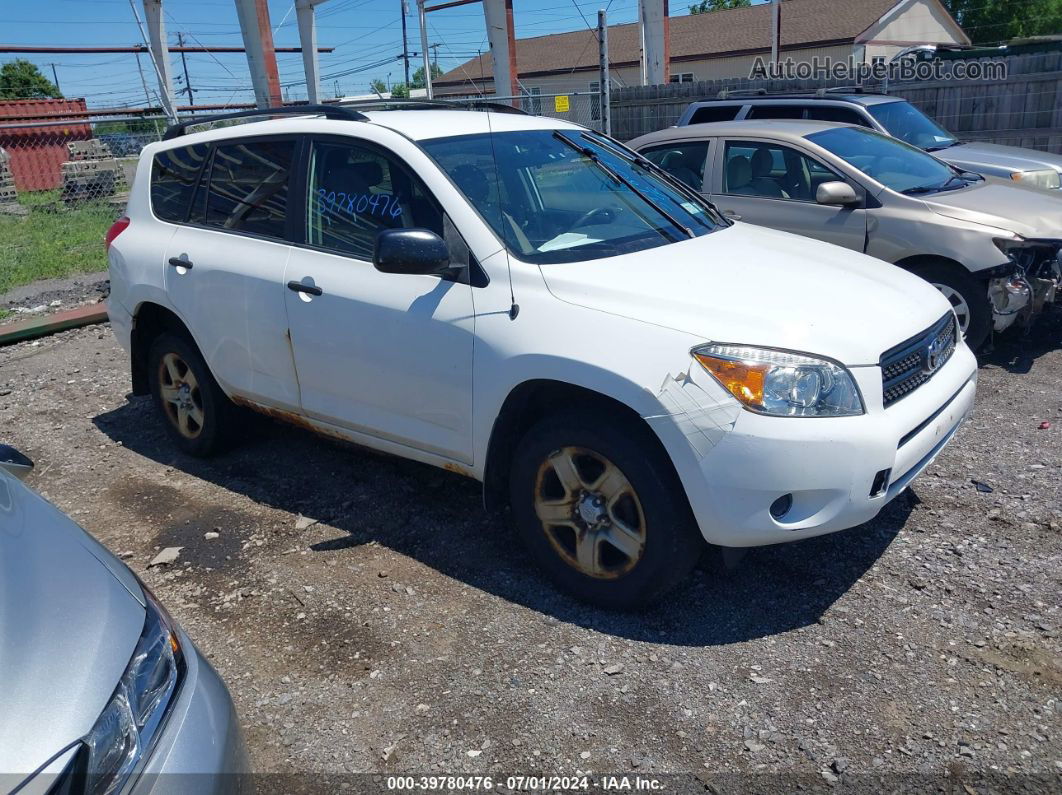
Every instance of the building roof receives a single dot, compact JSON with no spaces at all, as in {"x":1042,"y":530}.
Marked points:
{"x":805,"y":23}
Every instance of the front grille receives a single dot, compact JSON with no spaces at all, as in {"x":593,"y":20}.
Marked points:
{"x":910,"y":364}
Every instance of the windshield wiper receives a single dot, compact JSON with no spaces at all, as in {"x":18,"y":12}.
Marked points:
{"x":619,"y":179}
{"x":941,"y":187}
{"x":948,"y":145}
{"x":641,"y":160}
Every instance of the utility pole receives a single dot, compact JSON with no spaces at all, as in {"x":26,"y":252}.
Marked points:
{"x":435,"y":55}
{"x":422,"y":20}
{"x":602,"y":54}
{"x":776,"y":29}
{"x":184,"y":63}
{"x":55,"y":77}
{"x":405,"y":43}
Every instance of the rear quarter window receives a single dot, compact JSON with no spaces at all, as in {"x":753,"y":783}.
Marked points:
{"x":712,"y":113}
{"x":174,"y":175}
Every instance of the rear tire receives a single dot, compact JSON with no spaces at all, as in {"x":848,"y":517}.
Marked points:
{"x":968,"y":297}
{"x":599,"y":507}
{"x":198,"y":416}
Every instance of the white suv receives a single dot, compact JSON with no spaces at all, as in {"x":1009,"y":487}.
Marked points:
{"x":531,"y":304}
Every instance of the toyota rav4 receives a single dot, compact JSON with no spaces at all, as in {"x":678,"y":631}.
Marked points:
{"x":532,"y":304}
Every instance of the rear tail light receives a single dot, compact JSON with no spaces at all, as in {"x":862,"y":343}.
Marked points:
{"x":116,"y":229}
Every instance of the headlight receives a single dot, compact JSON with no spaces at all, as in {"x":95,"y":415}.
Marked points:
{"x":130,"y":721}
{"x":1045,"y":179}
{"x":780,"y":383}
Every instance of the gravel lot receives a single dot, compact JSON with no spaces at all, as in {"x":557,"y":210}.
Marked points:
{"x":369,"y":617}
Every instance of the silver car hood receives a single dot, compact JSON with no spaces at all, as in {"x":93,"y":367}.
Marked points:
{"x":69,"y":620}
{"x":996,"y":202}
{"x":977,"y":155}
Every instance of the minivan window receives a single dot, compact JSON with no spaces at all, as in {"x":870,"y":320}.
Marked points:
{"x":174,"y":175}
{"x":248,"y":189}
{"x":356,"y":192}
{"x":776,"y":112}
{"x":836,"y":114}
{"x":566,"y":195}
{"x":892,"y":163}
{"x":904,"y":121}
{"x":710,"y":113}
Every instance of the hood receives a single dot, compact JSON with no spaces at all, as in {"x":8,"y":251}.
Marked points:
{"x":757,"y":286}
{"x":996,"y":202}
{"x":68,"y":627}
{"x":976,"y":156}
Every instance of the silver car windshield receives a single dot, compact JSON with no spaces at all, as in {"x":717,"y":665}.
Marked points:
{"x":561,"y":196}
{"x":894,"y":164}
{"x":904,"y":121}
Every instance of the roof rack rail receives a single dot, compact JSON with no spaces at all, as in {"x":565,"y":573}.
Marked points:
{"x":402,"y":103}
{"x":856,"y":89}
{"x":328,"y":111}
{"x":741,"y":92}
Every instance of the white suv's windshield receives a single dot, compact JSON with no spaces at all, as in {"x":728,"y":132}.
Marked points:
{"x":565,"y":195}
{"x":894,"y":164}
{"x":904,"y":121}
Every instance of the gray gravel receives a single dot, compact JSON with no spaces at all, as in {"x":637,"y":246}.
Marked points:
{"x":54,"y":295}
{"x":368,"y":617}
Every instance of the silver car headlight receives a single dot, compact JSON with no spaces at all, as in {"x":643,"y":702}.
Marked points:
{"x":781,"y":383}
{"x":129,"y":723}
{"x":1045,"y":179}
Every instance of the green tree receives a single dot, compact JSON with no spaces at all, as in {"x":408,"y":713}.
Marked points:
{"x":997,"y":21}
{"x":20,"y":79}
{"x":400,"y":91}
{"x":706,"y":6}
{"x":379,"y":86}
{"x":418,"y":80}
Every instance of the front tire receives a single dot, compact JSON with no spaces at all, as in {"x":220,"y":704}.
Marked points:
{"x":198,"y":416}
{"x":599,"y":507}
{"x":968,"y":298}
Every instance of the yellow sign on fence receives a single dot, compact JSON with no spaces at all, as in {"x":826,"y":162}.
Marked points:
{"x":560,"y":104}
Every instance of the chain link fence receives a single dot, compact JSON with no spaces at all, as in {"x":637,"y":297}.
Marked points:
{"x":62,"y":184}
{"x":581,"y":107}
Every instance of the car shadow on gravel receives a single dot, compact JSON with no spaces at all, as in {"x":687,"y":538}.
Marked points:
{"x":1016,"y":351}
{"x":437,"y":518}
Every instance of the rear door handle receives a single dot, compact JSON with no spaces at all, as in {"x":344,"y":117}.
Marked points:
{"x":177,"y":262}
{"x":310,"y":289}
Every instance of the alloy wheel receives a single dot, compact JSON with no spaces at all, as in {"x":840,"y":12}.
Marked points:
{"x":180,"y":394}
{"x":958,"y":305}
{"x":590,"y":513}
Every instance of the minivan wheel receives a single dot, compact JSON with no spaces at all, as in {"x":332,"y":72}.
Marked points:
{"x":600,"y":509}
{"x":968,"y":298}
{"x":198,"y":415}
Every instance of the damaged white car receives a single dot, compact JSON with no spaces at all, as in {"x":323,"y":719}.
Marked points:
{"x":527,"y":302}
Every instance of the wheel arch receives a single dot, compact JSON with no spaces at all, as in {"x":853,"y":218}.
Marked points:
{"x":150,"y":320}
{"x":529,"y":402}
{"x":916,"y":261}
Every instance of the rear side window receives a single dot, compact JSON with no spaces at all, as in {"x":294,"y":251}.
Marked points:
{"x":776,"y":112}
{"x":712,"y":113}
{"x":174,"y":174}
{"x":834,"y":113}
{"x":248,"y":189}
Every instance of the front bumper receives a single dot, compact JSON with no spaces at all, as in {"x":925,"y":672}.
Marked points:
{"x":829,"y":465}
{"x":201,"y":749}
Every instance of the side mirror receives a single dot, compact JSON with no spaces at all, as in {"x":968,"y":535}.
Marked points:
{"x":837,"y":193}
{"x":14,"y":462}
{"x":411,"y":251}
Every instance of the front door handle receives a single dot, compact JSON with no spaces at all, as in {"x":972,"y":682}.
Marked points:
{"x":177,"y":262}
{"x":310,"y":289}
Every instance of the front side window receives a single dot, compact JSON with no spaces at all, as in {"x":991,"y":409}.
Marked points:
{"x":894,"y":164}
{"x":683,"y":160}
{"x":174,"y":176}
{"x":248,"y":189}
{"x":710,"y":113}
{"x":567,"y":195}
{"x":355,"y":192}
{"x":904,"y":121}
{"x":837,"y":114}
{"x":776,"y":112}
{"x":772,"y":171}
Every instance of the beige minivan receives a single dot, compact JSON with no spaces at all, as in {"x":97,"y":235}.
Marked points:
{"x":990,"y":246}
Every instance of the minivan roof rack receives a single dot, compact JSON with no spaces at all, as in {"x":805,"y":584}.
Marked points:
{"x":403,"y":103}
{"x":741,"y":92}
{"x":328,"y":111}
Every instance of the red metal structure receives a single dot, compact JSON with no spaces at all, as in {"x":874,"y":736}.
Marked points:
{"x":38,"y":153}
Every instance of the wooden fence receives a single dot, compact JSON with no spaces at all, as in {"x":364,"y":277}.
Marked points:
{"x":1023,"y":110}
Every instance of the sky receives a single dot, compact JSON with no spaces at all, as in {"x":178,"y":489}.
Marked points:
{"x":367,"y":35}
